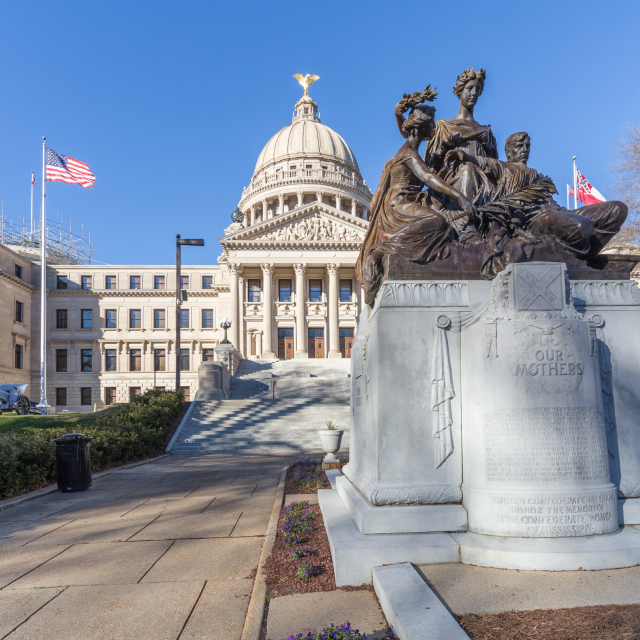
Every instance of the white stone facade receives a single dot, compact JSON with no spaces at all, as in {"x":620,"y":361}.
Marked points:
{"x":286,"y":270}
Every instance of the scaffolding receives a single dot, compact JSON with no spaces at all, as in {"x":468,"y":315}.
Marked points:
{"x":62,"y":246}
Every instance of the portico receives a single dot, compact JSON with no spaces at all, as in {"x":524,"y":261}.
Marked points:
{"x":292,"y":248}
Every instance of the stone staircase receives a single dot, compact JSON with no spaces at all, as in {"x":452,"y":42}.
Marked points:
{"x":260,"y":419}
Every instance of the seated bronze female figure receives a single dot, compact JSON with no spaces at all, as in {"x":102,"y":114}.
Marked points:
{"x":404,"y":218}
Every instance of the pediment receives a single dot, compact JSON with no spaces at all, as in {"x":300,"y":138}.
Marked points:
{"x":315,"y":225}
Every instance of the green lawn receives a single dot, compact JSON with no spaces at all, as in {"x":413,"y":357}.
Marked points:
{"x":71,"y":421}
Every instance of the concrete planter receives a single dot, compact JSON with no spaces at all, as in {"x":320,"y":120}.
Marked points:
{"x":330,"y":440}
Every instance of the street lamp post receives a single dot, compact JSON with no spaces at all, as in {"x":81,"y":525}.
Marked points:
{"x":225,"y":324}
{"x":180,"y":298}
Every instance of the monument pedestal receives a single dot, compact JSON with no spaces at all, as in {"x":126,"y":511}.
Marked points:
{"x":534,"y":380}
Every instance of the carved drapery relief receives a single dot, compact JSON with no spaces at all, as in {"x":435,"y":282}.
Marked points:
{"x":314,"y":229}
{"x":442,"y":392}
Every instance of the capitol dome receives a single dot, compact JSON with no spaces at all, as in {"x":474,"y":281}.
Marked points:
{"x":306,"y":136}
{"x":305,"y":162}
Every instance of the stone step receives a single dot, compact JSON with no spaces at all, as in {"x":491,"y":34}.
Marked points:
{"x":307,"y":393}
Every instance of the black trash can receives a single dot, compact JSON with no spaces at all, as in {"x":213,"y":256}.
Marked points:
{"x":73,"y":462}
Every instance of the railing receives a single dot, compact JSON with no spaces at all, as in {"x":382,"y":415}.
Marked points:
{"x":323,"y":175}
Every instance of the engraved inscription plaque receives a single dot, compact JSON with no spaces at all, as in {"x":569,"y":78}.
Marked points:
{"x":535,"y":454}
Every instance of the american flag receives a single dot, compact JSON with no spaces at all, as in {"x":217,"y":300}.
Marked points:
{"x":64,"y":169}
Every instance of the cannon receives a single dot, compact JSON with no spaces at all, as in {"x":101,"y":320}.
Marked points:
{"x":12,"y":398}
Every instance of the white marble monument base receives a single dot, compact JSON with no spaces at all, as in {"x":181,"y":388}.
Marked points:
{"x":629,"y":511}
{"x":371,"y":519}
{"x":354,"y":555}
{"x":592,"y":553}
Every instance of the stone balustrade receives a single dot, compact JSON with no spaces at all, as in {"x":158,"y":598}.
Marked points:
{"x":302,"y":176}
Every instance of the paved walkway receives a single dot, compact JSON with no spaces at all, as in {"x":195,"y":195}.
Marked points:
{"x":159,"y":551}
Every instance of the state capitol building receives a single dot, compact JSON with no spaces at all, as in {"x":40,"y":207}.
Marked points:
{"x":285,"y":278}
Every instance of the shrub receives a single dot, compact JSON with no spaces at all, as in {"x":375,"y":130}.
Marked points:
{"x":129,"y":432}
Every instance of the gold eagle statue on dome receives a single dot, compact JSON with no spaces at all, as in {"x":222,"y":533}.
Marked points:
{"x":305,"y":81}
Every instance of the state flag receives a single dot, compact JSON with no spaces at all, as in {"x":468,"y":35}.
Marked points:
{"x":587,"y":194}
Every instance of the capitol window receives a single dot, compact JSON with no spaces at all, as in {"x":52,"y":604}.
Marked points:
{"x":110,"y":363}
{"x":207,"y":318}
{"x":134,"y":282}
{"x":255,"y":291}
{"x":158,"y":318}
{"x":110,"y":282}
{"x":284,"y":292}
{"x":207,"y":282}
{"x":158,"y":282}
{"x":345,"y":291}
{"x":135,"y":318}
{"x":110,"y":319}
{"x":315,"y":290}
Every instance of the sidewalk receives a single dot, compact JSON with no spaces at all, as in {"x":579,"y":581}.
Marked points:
{"x":160,"y":551}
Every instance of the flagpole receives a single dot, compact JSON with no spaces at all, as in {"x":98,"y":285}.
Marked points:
{"x":575,"y":184}
{"x":43,"y":406}
{"x":32,"y":205}
{"x":568,"y":203}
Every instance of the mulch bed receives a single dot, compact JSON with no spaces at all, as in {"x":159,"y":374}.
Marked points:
{"x":610,"y":622}
{"x":280,"y":568}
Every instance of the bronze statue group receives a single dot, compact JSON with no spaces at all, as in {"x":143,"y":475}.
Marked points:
{"x":461,"y":208}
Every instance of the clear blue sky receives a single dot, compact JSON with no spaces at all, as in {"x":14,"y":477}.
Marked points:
{"x":170,"y":103}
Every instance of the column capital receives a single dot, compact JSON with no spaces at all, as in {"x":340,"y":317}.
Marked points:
{"x":300,"y":268}
{"x":333,"y":269}
{"x":252,"y":208}
{"x":281,"y":197}
{"x":234,"y":268}
{"x":267,"y":268}
{"x":319,"y":196}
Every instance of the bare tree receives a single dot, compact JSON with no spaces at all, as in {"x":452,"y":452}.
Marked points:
{"x":627,"y":170}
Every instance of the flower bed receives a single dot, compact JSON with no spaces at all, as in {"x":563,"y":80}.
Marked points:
{"x":306,"y":476}
{"x":300,"y":561}
{"x":334,"y":632}
{"x":129,"y":432}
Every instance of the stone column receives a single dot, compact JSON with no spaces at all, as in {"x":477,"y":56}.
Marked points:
{"x":300,"y":195}
{"x":246,"y":219}
{"x":267,"y":312}
{"x":264,"y":210}
{"x":365,"y":213}
{"x":253,"y":214}
{"x":280,"y":204}
{"x":339,"y":203}
{"x":332,"y":303}
{"x":234,"y":315}
{"x":353,"y":207}
{"x":301,"y":311}
{"x":319,"y":196}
